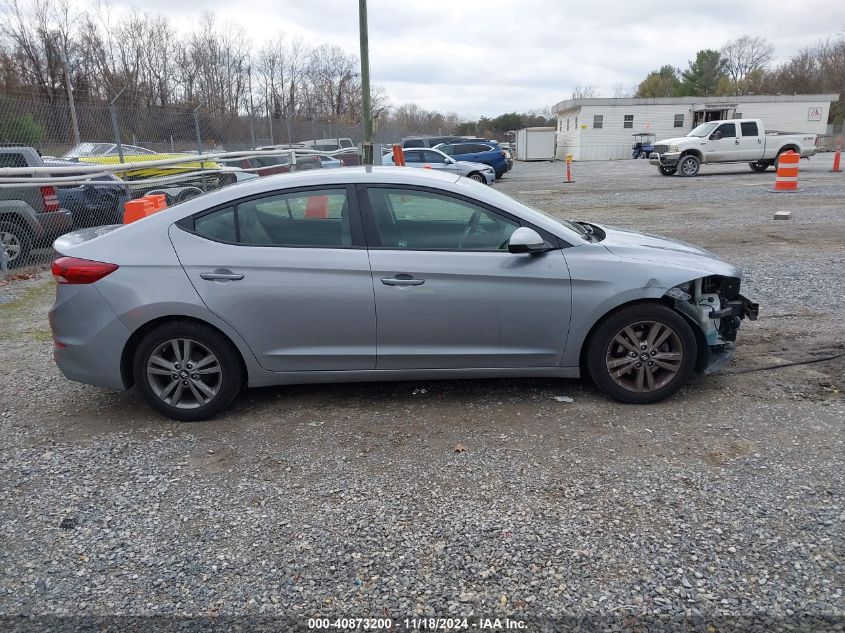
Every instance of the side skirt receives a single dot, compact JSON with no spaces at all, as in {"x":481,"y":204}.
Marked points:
{"x":265,"y":379}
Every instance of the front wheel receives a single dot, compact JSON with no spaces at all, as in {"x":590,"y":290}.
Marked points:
{"x":187,"y":371}
{"x":477,"y":177}
{"x":759,"y":165}
{"x":642,"y":354}
{"x":689,"y":165}
{"x":667,"y":171}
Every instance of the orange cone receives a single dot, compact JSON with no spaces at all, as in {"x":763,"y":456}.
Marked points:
{"x":317,"y":207}
{"x":787,"y":175}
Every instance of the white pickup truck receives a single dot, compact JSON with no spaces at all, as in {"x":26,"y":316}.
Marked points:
{"x":734,"y":141}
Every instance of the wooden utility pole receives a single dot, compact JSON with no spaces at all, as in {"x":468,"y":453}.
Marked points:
{"x":365,"y":83}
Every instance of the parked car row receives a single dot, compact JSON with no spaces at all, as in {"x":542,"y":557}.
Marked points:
{"x":462,"y":148}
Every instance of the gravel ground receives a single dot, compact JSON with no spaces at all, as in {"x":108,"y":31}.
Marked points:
{"x":721,"y":508}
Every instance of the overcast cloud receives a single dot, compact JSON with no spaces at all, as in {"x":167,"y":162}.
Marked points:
{"x":479,"y":57}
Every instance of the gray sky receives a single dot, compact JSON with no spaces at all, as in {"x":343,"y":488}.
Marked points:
{"x":479,"y":57}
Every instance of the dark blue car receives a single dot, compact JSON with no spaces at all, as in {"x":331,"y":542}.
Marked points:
{"x":486,"y":152}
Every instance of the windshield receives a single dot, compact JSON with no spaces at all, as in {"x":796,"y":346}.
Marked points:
{"x":704,"y":129}
{"x":88,"y":149}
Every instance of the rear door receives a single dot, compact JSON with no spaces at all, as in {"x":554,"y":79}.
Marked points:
{"x":750,"y":141}
{"x":448,"y":293}
{"x":289,"y":271}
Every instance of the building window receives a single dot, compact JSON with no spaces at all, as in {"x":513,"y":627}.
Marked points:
{"x":679,"y":120}
{"x":737,"y":115}
{"x":598,"y":121}
{"x":576,"y":123}
{"x":629,"y":121}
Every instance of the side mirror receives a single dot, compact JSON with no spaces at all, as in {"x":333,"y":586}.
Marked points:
{"x":525,"y":240}
{"x":450,"y":161}
{"x":715,"y":136}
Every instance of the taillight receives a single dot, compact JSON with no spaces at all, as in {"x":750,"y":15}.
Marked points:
{"x":51,"y":200}
{"x":72,"y":270}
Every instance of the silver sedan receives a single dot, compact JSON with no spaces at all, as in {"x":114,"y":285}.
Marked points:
{"x":438,"y":161}
{"x":366,"y":274}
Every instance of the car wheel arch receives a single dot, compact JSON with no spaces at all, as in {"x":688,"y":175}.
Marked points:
{"x":700,"y":339}
{"x":128,"y":354}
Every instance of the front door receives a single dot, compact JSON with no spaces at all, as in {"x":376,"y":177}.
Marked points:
{"x":449,"y":294}
{"x":290,"y":273}
{"x":723,"y":145}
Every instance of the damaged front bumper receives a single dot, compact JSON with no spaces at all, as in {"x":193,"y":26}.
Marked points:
{"x":714,"y":303}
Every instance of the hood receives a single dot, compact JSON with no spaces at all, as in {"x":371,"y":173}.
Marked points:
{"x":646,"y":247}
{"x":471,"y":166}
{"x":675,"y":140}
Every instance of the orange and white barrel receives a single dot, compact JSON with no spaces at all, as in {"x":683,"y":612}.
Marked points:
{"x":787,"y":174}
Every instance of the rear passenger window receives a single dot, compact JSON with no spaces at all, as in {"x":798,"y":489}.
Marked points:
{"x":12,"y":160}
{"x":477,"y":149}
{"x":219,"y":225}
{"x":749,"y":128}
{"x":317,"y":218}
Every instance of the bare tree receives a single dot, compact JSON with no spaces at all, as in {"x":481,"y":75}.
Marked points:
{"x":584,"y":92}
{"x":744,"y":56}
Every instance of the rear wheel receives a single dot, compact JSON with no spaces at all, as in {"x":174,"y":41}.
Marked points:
{"x":187,"y":371}
{"x":759,"y":165}
{"x":642,"y":354}
{"x":16,"y":242}
{"x":667,"y":171}
{"x":689,"y":165}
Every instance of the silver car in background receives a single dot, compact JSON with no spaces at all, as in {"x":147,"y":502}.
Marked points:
{"x":438,"y":161}
{"x":279,"y":280}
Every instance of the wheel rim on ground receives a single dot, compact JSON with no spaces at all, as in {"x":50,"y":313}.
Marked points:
{"x":689,"y":166}
{"x":11,"y":244}
{"x":476,"y":177}
{"x":644,"y":356}
{"x":184,"y":373}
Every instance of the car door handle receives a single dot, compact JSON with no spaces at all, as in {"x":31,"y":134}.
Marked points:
{"x":736,"y":142}
{"x":221,"y":274}
{"x":402,"y":280}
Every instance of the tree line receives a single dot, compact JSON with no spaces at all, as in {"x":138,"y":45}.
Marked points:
{"x":745,"y":67}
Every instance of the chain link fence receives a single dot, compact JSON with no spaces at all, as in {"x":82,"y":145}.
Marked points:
{"x":71,"y":166}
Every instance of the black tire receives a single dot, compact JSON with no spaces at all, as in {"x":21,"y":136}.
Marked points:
{"x":227,"y":382}
{"x":689,"y":166}
{"x":667,"y":171}
{"x":477,"y":177}
{"x":760,"y":165}
{"x":188,"y":194}
{"x":602,"y":349}
{"x":16,"y":241}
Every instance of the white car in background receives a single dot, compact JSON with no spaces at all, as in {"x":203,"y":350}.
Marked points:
{"x":437,"y":160}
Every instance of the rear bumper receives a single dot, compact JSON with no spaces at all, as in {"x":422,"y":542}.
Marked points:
{"x":55,"y":223}
{"x":88,"y":337}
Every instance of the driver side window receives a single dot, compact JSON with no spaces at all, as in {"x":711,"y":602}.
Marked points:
{"x":411,"y":219}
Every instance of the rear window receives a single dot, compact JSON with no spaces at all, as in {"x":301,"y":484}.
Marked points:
{"x":12,"y":160}
{"x":417,"y":142}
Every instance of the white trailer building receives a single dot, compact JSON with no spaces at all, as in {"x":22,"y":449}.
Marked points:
{"x":603,"y":129}
{"x":535,"y":143}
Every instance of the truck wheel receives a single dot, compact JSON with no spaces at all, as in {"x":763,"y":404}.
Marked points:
{"x":667,"y":171}
{"x":16,"y":242}
{"x":759,"y":165}
{"x":689,"y":165}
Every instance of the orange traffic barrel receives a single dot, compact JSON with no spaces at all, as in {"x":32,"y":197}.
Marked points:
{"x":787,"y":174}
{"x":317,"y":207}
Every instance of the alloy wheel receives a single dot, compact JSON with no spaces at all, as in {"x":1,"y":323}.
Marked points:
{"x":689,"y":167}
{"x":11,"y":244}
{"x":644,"y":356}
{"x":184,"y":373}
